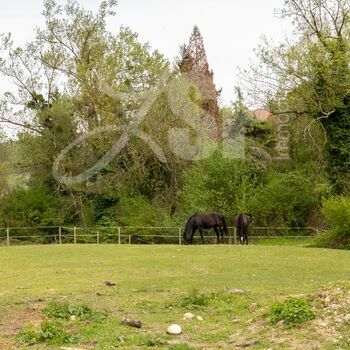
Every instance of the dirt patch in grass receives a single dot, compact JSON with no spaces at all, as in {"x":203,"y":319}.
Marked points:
{"x":13,"y":320}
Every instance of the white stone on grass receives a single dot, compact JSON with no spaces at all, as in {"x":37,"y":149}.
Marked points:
{"x":174,"y":329}
{"x":188,"y":316}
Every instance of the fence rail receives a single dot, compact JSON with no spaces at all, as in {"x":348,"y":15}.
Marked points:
{"x":134,"y":234}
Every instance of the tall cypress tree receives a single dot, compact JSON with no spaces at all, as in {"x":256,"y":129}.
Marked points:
{"x":194,"y":64}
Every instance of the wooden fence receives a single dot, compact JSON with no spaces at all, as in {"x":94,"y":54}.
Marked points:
{"x":134,"y":235}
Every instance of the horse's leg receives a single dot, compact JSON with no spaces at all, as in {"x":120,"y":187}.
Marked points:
{"x":201,"y":233}
{"x":194,"y":229}
{"x":217,"y":234}
{"x":241,"y":239}
{"x":222,"y":234}
{"x":246,"y":235}
{"x":239,"y":233}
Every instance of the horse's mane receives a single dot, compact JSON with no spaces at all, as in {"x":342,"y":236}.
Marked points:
{"x":192,"y":216}
{"x":189,"y":222}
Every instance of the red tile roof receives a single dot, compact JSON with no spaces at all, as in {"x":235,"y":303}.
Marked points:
{"x":261,"y":114}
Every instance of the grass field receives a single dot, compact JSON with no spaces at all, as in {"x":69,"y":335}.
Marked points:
{"x":231,"y":287}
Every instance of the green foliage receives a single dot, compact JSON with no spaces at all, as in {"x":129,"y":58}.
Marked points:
{"x":195,"y":300}
{"x":99,"y":69}
{"x":151,"y":342}
{"x":218,"y":184}
{"x":64,"y":310}
{"x":55,"y":331}
{"x":306,"y":148}
{"x":336,"y":211}
{"x":286,"y":199}
{"x":310,"y":76}
{"x":337,"y":148}
{"x":139,"y":211}
{"x":51,"y":333}
{"x":294,"y":312}
{"x":34,"y":206}
{"x":137,"y":189}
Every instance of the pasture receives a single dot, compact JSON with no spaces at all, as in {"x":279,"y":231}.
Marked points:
{"x":230,"y":287}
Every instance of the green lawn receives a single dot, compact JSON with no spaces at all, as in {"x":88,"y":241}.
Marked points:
{"x":152,"y":284}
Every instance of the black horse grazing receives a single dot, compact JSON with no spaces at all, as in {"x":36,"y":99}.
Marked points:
{"x":205,"y":221}
{"x":242,"y":222}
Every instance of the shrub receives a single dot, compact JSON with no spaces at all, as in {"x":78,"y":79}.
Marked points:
{"x":32,"y":206}
{"x":218,"y":184}
{"x":286,"y":199}
{"x":336,"y":211}
{"x":51,"y":332}
{"x":294,"y":312}
{"x":64,"y":310}
{"x":139,"y":211}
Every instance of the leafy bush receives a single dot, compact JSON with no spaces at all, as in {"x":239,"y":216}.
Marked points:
{"x":286,"y":199}
{"x":64,"y":310}
{"x":336,"y":211}
{"x":51,"y":332}
{"x":294,"y":312}
{"x":218,"y":184}
{"x":139,"y":211}
{"x":34,"y":206}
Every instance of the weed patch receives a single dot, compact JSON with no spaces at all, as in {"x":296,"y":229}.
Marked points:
{"x":151,"y":342}
{"x":294,"y":312}
{"x":51,"y":333}
{"x":194,"y":300}
{"x":65,"y":310}
{"x":220,"y":299}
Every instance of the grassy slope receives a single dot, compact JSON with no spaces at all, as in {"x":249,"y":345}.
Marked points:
{"x":150,"y":278}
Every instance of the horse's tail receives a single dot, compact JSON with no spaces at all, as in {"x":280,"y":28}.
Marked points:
{"x":242,"y":224}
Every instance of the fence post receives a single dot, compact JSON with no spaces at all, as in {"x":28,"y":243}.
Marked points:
{"x":8,"y":236}
{"x":60,"y":235}
{"x":75,"y":234}
{"x":180,"y":236}
{"x":129,"y":239}
{"x":235,"y":235}
{"x":118,"y":235}
{"x":229,"y":239}
{"x":98,"y":237}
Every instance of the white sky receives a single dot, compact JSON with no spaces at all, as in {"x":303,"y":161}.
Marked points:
{"x":231,"y":28}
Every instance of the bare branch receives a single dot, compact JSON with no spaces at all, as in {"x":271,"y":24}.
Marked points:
{"x":22,"y":125}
